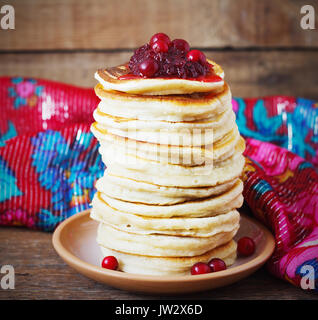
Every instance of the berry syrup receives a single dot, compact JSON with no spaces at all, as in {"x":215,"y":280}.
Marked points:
{"x":162,"y":58}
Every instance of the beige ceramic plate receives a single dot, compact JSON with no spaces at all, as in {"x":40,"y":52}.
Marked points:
{"x":74,"y":241}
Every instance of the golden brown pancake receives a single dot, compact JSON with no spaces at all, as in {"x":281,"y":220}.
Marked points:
{"x":160,"y":245}
{"x":110,"y":79}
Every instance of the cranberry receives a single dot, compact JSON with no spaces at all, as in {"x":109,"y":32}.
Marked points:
{"x":200,"y":268}
{"x":181,"y":45}
{"x":160,"y":46}
{"x":196,"y":55}
{"x":110,"y":262}
{"x":159,"y":58}
{"x":159,"y":36}
{"x":217,"y":264}
{"x":246,"y":246}
{"x":148,"y":67}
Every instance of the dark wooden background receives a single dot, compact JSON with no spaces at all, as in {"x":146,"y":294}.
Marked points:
{"x":259,"y":43}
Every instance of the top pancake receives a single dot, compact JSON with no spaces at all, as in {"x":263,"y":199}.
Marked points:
{"x":109,"y":79}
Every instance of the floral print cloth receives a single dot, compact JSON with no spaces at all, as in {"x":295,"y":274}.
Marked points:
{"x":49,"y":162}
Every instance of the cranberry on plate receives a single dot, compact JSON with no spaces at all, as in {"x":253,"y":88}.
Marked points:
{"x":200,"y":268}
{"x":110,"y":262}
{"x":245,"y":246}
{"x":217,"y":264}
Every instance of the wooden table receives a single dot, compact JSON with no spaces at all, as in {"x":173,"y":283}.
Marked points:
{"x":41,"y":274}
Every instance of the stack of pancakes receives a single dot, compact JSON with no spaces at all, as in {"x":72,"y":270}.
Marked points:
{"x":173,"y":153}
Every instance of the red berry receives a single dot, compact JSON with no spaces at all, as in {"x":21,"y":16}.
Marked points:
{"x":196,"y":55}
{"x":160,"y":46}
{"x":181,"y":45}
{"x":217,"y":264}
{"x":110,"y":262}
{"x":159,"y":36}
{"x":246,"y":246}
{"x":148,"y":67}
{"x":200,"y":268}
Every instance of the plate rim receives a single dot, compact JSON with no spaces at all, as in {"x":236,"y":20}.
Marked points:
{"x":73,"y":260}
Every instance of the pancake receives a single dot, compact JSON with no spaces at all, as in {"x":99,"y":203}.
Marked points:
{"x":117,"y":146}
{"x":200,"y":132}
{"x":178,"y":136}
{"x":122,"y":123}
{"x":206,"y":207}
{"x":192,"y":107}
{"x":160,"y":245}
{"x":110,"y":79}
{"x":174,"y":175}
{"x":196,"y":227}
{"x":137,"y":191}
{"x":142,"y":264}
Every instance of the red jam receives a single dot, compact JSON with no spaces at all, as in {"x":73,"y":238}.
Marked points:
{"x":162,"y":58}
{"x":209,"y":77}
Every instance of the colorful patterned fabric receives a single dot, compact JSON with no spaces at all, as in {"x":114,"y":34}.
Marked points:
{"x":289,"y":122}
{"x":49,"y":162}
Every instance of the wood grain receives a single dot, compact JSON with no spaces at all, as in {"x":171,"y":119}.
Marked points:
{"x":250,"y":73}
{"x":100,"y":24}
{"x":41,"y":274}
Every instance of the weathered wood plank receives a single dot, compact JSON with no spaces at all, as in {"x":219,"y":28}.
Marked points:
{"x":250,"y":74}
{"x":81,"y":24}
{"x":41,"y":274}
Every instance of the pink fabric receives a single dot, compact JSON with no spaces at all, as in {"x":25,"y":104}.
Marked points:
{"x":282,"y":191}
